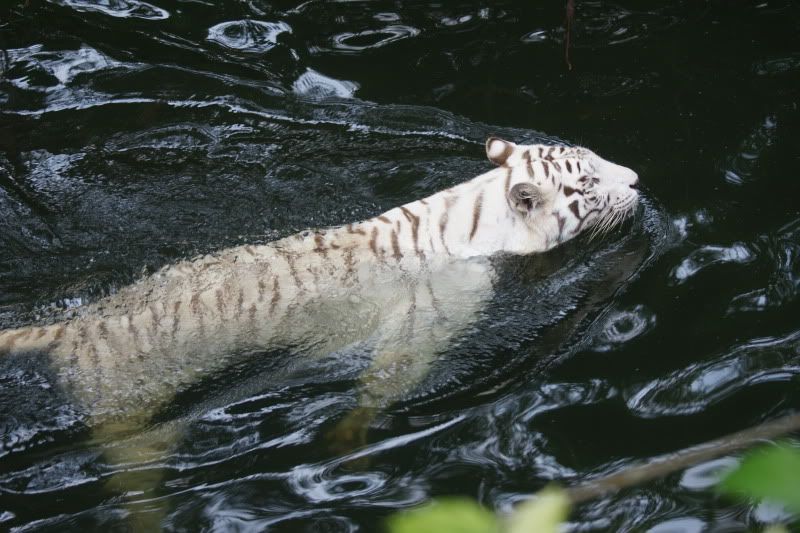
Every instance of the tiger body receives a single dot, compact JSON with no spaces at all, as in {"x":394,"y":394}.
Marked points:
{"x":403,"y":282}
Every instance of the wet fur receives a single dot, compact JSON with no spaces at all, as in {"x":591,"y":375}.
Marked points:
{"x":403,"y":282}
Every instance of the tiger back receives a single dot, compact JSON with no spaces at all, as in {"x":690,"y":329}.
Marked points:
{"x":404,"y":282}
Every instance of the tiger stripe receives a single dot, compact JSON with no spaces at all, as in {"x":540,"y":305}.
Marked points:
{"x":396,"y":247}
{"x":414,"y":219}
{"x":476,"y":215}
{"x":276,"y":295}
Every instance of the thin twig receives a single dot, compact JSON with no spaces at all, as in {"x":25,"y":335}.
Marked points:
{"x":568,"y":17}
{"x":667,"y":464}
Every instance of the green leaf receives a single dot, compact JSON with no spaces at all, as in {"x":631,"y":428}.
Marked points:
{"x":772,"y":473}
{"x":543,"y":514}
{"x":445,"y":516}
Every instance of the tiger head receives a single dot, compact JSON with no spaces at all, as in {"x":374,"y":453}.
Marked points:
{"x":562,"y":191}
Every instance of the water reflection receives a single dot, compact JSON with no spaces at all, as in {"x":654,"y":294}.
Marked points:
{"x":34,"y":68}
{"x":535,"y":36}
{"x":778,"y":66}
{"x":680,"y":525}
{"x":620,"y":326}
{"x":767,"y":512}
{"x":705,"y":476}
{"x":782,"y":253}
{"x":349,"y":42}
{"x":708,"y":256}
{"x":742,"y":167}
{"x":47,"y":414}
{"x":317,"y":86}
{"x":618,"y":24}
{"x":254,"y":36}
{"x":117,"y":8}
{"x":696,"y":387}
{"x":629,"y":512}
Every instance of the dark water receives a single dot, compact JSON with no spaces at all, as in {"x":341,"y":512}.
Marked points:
{"x":134,"y":133}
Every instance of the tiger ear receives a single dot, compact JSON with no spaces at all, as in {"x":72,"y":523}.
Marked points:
{"x":524,"y":197}
{"x":498,"y":150}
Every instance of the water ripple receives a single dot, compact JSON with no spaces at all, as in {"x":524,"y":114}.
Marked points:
{"x":708,"y":256}
{"x":505,"y":438}
{"x":227,"y":512}
{"x":253,"y":36}
{"x":687,"y":524}
{"x":331,"y":481}
{"x":43,"y":415}
{"x":316,"y":86}
{"x":350,"y":42}
{"x":35,"y":68}
{"x":325,"y":483}
{"x":694,"y":388}
{"x":742,"y":166}
{"x":606,"y":24}
{"x":768,"y":512}
{"x":617,"y":327}
{"x":778,"y":65}
{"x":318,"y":487}
{"x":705,"y":476}
{"x":782,"y":251}
{"x":631,"y":511}
{"x":536,"y":36}
{"x":55,"y":474}
{"x":117,"y":8}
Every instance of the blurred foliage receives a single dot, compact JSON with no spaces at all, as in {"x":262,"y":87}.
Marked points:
{"x":542,"y":514}
{"x":445,"y":516}
{"x":771,"y":473}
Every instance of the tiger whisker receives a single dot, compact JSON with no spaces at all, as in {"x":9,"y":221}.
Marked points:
{"x":600,"y":225}
{"x":595,"y":231}
{"x":597,"y":227}
{"x":609,"y":222}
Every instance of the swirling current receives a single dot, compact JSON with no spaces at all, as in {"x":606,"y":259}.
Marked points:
{"x":134,"y":134}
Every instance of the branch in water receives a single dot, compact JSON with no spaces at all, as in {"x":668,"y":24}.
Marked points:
{"x":568,"y":17}
{"x":667,"y":464}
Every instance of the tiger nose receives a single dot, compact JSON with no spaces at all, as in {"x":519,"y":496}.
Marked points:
{"x":634,"y":184}
{"x":628,"y":176}
{"x":617,"y":173}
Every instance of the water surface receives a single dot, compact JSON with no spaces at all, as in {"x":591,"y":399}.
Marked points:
{"x":136,"y":133}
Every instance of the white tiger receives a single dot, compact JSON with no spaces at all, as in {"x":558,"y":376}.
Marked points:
{"x":403,"y":283}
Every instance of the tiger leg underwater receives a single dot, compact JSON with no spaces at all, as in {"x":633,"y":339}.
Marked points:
{"x":124,"y":357}
{"x":438,"y":307}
